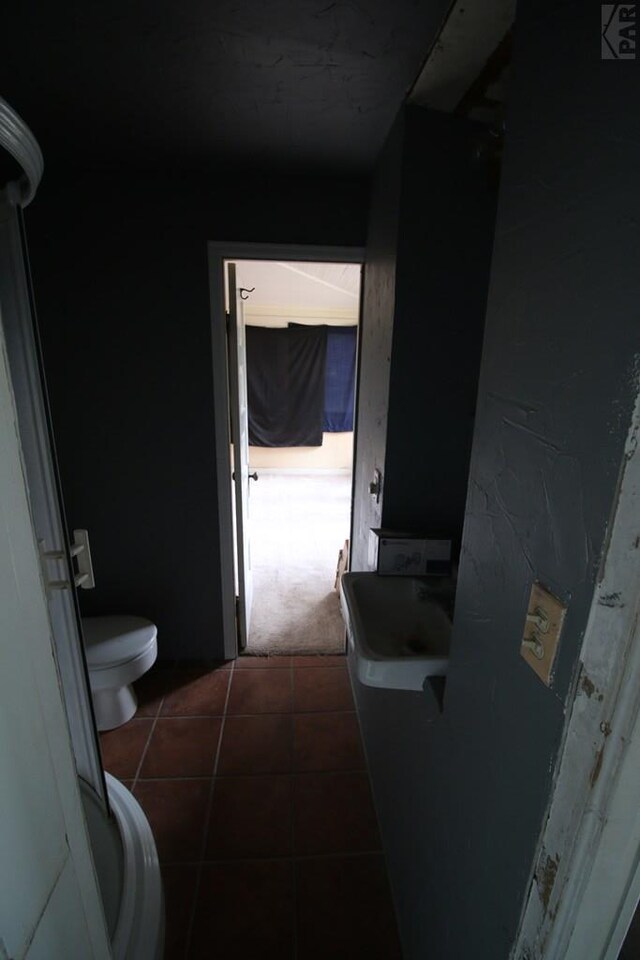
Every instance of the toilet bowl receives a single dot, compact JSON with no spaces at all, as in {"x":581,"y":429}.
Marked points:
{"x":119,"y":650}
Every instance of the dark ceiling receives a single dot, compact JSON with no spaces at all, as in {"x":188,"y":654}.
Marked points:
{"x":307,"y":86}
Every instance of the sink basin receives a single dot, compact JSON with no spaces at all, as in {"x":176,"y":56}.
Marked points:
{"x":399,"y":628}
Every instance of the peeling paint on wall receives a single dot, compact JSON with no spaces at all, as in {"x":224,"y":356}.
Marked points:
{"x":546,"y":877}
{"x":611,"y":600}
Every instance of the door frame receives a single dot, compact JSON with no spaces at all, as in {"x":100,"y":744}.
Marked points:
{"x":218,"y":252}
{"x":239,"y":425}
{"x":585,"y":880}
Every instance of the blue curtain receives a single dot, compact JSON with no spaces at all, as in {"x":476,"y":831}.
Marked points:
{"x":339,"y":379}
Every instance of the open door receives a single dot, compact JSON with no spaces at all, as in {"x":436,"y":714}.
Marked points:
{"x":45,"y":497}
{"x":50,"y":904}
{"x":240,"y":440}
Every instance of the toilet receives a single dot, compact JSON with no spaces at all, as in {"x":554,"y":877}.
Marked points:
{"x":119,"y":650}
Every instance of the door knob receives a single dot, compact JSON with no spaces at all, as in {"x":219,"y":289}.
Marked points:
{"x":254,"y":475}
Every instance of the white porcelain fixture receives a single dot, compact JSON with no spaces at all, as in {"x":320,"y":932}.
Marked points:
{"x":399,"y":628}
{"x":126,"y":862}
{"x":119,"y":650}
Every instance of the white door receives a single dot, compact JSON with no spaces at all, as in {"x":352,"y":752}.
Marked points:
{"x":240,"y":440}
{"x":50,"y":905}
{"x":44,"y":491}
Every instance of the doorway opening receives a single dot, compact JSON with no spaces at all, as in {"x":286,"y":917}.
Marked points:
{"x":291,"y":341}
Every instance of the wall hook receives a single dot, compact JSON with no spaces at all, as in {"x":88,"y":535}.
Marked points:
{"x":245,"y":291}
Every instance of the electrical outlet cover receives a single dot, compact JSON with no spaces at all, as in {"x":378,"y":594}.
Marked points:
{"x":543,"y":604}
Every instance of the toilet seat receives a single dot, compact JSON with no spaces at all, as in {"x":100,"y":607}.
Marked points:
{"x":115,"y":640}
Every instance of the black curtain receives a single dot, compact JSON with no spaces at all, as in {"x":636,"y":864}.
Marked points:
{"x":285,"y":385}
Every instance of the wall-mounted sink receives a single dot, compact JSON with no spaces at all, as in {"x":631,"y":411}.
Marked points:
{"x":399,"y":628}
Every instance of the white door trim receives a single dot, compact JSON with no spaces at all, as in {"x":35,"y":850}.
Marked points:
{"x":218,"y":253}
{"x":237,"y":354}
{"x":586,"y":875}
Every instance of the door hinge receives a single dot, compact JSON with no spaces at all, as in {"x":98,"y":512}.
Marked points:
{"x":239,"y":641}
{"x":238,"y":637}
{"x":81,"y":552}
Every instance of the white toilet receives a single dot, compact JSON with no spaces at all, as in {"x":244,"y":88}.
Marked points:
{"x":119,"y":650}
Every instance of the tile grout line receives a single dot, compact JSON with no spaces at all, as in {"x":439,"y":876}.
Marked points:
{"x":264,"y":774}
{"x":134,"y":783}
{"x":244,"y":716}
{"x":285,"y":858}
{"x":314,"y":771}
{"x":205,"y":835}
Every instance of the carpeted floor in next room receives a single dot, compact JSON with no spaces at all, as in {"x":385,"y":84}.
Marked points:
{"x":254,"y":781}
{"x":298,"y":524}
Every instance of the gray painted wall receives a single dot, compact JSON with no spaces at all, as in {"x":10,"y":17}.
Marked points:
{"x":378,"y":306}
{"x":121,"y":286}
{"x":462,"y":800}
{"x":447,"y":216}
{"x":425,"y":287}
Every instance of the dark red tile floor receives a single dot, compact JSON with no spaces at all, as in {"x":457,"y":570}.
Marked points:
{"x":254,"y":781}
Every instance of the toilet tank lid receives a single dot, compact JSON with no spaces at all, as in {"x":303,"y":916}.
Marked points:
{"x":112,"y":640}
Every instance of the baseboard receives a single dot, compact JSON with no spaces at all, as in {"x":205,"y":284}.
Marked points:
{"x":300,"y":471}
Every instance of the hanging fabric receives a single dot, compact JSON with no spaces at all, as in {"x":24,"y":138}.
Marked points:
{"x":286,"y":385}
{"x":340,"y":377}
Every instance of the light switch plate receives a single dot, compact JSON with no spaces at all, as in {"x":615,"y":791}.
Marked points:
{"x":543,"y":626}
